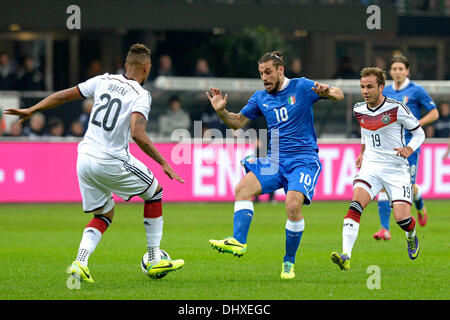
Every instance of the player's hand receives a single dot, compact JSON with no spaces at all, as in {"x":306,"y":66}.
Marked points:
{"x":169,"y":171}
{"x":218,"y":101}
{"x":321,"y":89}
{"x":404,"y":152}
{"x":24,"y":114}
{"x":359,"y":161}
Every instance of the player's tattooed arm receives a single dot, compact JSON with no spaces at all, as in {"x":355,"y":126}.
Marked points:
{"x":138,"y":124}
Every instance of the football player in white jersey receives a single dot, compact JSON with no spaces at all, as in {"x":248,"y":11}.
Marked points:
{"x":383,"y":162}
{"x":105,"y":165}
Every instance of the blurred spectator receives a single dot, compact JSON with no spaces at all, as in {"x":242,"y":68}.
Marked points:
{"x":345,"y":70}
{"x":87,"y":109}
{"x":295,"y":69}
{"x":356,"y":131}
{"x":442,"y":125}
{"x":56,"y":127}
{"x":165,"y":67}
{"x":380,"y":63}
{"x":174,"y":118}
{"x":36,"y":126}
{"x":119,"y":66}
{"x":7,"y":78}
{"x":210,"y":120}
{"x":29,"y":77}
{"x":202,"y":69}
{"x":95,"y":69}
{"x":2,"y":123}
{"x":15,"y":130}
{"x":76,"y":129}
{"x":429,"y":131}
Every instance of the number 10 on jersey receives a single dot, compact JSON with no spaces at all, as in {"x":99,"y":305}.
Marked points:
{"x":282,"y":114}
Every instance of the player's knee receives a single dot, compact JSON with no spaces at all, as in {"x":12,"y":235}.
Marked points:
{"x":107,"y":210}
{"x":242,"y":192}
{"x":293,"y":208}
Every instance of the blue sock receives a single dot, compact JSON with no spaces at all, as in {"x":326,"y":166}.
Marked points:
{"x":384,"y":210}
{"x":294,"y":231}
{"x":418,"y":203}
{"x":243,"y":215}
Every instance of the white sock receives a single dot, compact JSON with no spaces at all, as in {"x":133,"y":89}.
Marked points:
{"x":382,"y":196}
{"x":89,"y":241}
{"x":153,"y":231}
{"x":418,"y":195}
{"x":411,"y":234}
{"x":349,"y":235}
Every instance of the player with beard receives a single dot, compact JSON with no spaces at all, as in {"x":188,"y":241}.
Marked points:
{"x":292,"y":160}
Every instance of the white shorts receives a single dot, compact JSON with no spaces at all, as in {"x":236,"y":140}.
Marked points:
{"x":395,"y":179}
{"x":99,"y":179}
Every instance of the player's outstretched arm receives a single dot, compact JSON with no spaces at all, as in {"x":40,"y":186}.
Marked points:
{"x":52,"y":101}
{"x":137,"y":130}
{"x":219,"y":102}
{"x":326,"y":91}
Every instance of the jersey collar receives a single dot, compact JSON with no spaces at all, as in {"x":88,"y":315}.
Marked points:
{"x":403,"y":85}
{"x":376,"y":108}
{"x":285,"y":84}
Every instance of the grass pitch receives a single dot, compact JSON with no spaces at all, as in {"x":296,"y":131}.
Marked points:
{"x":39,"y":241}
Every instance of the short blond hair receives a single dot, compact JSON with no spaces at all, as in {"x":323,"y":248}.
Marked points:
{"x":379,"y":74}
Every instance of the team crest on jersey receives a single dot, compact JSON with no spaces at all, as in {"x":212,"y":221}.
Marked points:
{"x":386,"y":119}
{"x":405,"y":99}
{"x":376,"y":122}
{"x":291,"y":100}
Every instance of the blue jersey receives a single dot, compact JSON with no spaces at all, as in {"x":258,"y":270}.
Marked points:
{"x":415,"y":97}
{"x":289,"y":117}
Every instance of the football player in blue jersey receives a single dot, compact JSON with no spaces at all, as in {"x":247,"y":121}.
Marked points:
{"x":292,"y":160}
{"x":416,"y":98}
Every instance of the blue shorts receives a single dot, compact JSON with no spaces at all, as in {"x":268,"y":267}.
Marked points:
{"x":413,"y":161}
{"x":291,"y":174}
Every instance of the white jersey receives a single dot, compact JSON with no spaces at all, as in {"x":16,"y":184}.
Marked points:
{"x":382,"y":130}
{"x":115,"y":99}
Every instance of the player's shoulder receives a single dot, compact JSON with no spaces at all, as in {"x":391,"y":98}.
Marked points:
{"x":388,"y":88}
{"x":396,"y":103}
{"x":132,"y":84}
{"x":416,"y":88}
{"x":415,"y":85}
{"x":260,"y":94}
{"x":303,"y":81}
{"x":359,"y":105}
